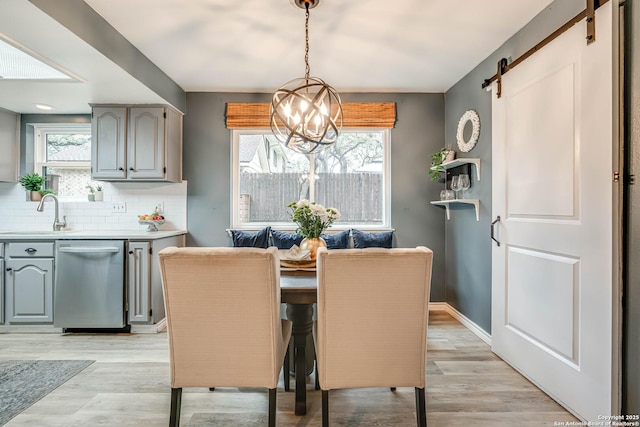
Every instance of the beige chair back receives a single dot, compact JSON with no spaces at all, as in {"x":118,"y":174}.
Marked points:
{"x":372,"y":317}
{"x":223,"y":316}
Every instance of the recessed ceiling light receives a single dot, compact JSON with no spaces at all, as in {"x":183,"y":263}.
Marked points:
{"x":44,"y":107}
{"x":18,"y":62}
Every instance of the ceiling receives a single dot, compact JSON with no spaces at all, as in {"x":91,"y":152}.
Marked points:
{"x":257,"y":45}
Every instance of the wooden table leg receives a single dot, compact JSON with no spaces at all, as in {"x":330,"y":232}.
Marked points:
{"x":301,"y":316}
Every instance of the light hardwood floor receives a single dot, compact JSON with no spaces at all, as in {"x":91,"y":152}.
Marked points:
{"x":467,"y":385}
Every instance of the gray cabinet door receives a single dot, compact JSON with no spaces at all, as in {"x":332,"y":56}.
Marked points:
{"x":29,"y":290}
{"x":139,"y":281}
{"x":1,"y":290}
{"x":146,"y":143}
{"x":108,"y":145}
{"x":9,"y":146}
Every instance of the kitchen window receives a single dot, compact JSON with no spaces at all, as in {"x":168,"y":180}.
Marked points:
{"x":351,"y":176}
{"x":63,"y":157}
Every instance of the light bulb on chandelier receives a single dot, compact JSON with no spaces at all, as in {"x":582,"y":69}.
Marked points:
{"x":306,"y":113}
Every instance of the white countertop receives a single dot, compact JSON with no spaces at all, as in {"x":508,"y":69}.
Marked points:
{"x":77,"y":235}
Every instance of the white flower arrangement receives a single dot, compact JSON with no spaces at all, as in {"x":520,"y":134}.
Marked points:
{"x":312,"y":219}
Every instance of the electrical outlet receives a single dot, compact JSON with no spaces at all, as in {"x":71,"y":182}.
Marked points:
{"x":160,"y":207}
{"x":119,"y":207}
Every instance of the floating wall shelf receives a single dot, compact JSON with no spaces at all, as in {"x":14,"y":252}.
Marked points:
{"x":462,"y":161}
{"x":446,"y":203}
{"x":475,"y":202}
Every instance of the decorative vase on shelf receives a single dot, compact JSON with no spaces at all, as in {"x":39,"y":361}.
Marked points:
{"x":312,"y":244}
{"x":34,"y":196}
{"x":99,"y":196}
{"x":449,"y":156}
{"x":91,"y":197}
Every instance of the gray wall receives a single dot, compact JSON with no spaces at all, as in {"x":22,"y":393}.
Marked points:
{"x":419,"y":131}
{"x":631,"y":351}
{"x":467,"y":242}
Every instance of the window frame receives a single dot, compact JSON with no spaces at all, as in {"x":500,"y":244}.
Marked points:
{"x":385,"y":224}
{"x":40,"y":131}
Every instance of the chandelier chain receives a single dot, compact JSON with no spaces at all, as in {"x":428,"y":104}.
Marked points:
{"x":307,"y":69}
{"x":306,"y":113}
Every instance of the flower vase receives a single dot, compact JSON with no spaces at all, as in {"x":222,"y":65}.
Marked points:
{"x":449,"y":156}
{"x":312,"y":244}
{"x":99,"y":196}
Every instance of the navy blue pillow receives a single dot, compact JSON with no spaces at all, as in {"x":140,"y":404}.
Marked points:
{"x":338,"y":240}
{"x":362,"y":239}
{"x":259,"y":239}
{"x":284,"y":240}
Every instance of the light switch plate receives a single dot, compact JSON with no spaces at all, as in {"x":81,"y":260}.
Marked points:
{"x":119,"y":207}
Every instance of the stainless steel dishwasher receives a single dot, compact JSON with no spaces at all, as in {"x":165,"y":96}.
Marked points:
{"x":89,"y":289}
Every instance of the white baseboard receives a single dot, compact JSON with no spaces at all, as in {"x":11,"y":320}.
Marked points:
{"x":477,"y":330}
{"x":150,"y":329}
{"x":30,"y":329}
{"x":50,"y":329}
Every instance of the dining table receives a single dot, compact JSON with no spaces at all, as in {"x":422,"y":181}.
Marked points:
{"x":298,"y":290}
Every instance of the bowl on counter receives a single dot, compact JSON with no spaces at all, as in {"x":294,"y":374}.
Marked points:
{"x":151,"y":223}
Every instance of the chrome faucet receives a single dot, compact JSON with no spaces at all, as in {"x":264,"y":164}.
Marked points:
{"x":57,"y":224}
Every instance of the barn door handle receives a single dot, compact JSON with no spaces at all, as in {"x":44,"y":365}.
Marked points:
{"x":492,"y":230}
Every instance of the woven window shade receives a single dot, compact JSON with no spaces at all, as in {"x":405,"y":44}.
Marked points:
{"x":255,"y":115}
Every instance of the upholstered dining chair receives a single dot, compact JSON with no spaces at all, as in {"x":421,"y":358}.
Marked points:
{"x":372,"y":321}
{"x":223,"y":320}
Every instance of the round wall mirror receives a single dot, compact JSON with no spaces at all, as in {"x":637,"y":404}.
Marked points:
{"x":468,"y":130}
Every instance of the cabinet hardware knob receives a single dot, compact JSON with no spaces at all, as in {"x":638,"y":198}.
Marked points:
{"x":131,"y":169}
{"x":8,"y":268}
{"x":120,"y":168}
{"x":130,"y":252}
{"x":31,"y":250}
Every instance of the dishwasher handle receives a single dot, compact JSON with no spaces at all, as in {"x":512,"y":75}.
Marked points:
{"x":89,"y":250}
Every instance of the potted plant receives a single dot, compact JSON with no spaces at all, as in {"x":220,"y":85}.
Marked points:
{"x":437,"y":159}
{"x":99,"y":196}
{"x":92,"y":193}
{"x":33,"y":184}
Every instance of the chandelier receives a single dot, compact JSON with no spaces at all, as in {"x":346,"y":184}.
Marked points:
{"x":306,"y":114}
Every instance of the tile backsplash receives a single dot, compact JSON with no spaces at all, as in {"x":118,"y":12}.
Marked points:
{"x":16,"y":213}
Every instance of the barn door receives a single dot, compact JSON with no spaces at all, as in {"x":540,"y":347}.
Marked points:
{"x":553,"y":273}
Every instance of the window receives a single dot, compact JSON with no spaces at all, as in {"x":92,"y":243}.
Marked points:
{"x":351,"y":176}
{"x":63,"y":157}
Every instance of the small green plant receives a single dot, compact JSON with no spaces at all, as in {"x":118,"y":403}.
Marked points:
{"x":32,"y":182}
{"x":91,"y":188}
{"x":98,"y":187}
{"x":436,"y":163}
{"x":47,"y":191}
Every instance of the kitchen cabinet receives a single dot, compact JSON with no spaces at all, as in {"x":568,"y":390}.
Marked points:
{"x":136,"y":143}
{"x":139,"y":272}
{"x":9,"y":146}
{"x":145,"y":299}
{"x":1,"y":283}
{"x":108,"y":145}
{"x":29,"y":282}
